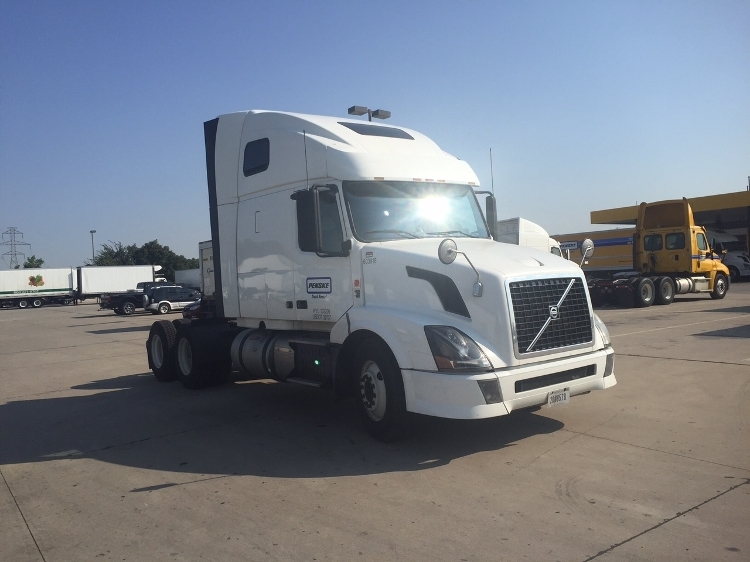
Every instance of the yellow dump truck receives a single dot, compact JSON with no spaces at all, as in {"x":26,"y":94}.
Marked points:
{"x":665,"y":254}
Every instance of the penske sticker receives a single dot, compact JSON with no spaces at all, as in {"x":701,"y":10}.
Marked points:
{"x":318,"y":285}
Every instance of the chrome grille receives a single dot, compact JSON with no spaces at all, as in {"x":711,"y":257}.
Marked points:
{"x":533,"y":301}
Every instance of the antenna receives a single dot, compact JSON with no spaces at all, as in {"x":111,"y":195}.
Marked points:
{"x":492,"y":175}
{"x":307,"y":175}
{"x":13,"y":243}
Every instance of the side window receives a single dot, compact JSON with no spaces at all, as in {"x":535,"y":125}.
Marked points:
{"x":305,"y":221}
{"x":332,"y":232}
{"x":330,"y":223}
{"x":257,"y":157}
{"x":555,"y":250}
{"x":701,"y":240}
{"x":652,"y":242}
{"x":675,"y":241}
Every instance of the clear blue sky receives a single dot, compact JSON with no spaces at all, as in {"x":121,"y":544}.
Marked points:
{"x":586,"y":105}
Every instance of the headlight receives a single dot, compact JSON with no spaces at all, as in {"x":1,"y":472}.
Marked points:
{"x":603,"y":332}
{"x":455,"y":351}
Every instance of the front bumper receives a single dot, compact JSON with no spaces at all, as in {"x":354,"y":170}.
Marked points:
{"x":460,"y":396}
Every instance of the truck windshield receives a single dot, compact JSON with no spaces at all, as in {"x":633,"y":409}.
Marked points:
{"x":390,"y":210}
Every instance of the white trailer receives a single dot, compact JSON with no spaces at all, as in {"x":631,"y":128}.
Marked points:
{"x":94,"y":281}
{"x":523,"y":232}
{"x":354,"y":256}
{"x":33,"y":288}
{"x":188,"y":278}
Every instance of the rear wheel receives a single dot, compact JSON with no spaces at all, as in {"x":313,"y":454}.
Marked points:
{"x":720,"y":286}
{"x":37,"y":303}
{"x":23,"y":303}
{"x":163,"y":308}
{"x":117,"y":311}
{"x":160,"y":346}
{"x":644,"y":292}
{"x":202,"y":355}
{"x":664,"y":290}
{"x":380,"y":391}
{"x":128,"y":308}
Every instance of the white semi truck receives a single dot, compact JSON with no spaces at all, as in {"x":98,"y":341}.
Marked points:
{"x":354,"y":256}
{"x":523,"y":232}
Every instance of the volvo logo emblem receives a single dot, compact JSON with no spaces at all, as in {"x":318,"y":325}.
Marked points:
{"x":553,"y":312}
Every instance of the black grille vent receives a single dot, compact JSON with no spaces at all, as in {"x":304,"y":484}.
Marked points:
{"x":556,"y":378}
{"x":531,"y":307}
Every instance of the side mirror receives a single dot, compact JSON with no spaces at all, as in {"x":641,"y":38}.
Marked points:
{"x":587,"y":250}
{"x":447,"y":251}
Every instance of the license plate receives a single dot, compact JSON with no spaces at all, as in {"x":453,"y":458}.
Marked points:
{"x":557,"y":397}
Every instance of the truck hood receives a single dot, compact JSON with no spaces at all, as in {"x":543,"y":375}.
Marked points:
{"x":408,"y":276}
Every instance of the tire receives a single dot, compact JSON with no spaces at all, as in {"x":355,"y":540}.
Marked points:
{"x":720,"y":286}
{"x":664,"y":290}
{"x":37,"y":303}
{"x":645,"y":292}
{"x":127,"y":308}
{"x":381,"y":401}
{"x":163,"y":308}
{"x":180,"y":322}
{"x":23,"y":303}
{"x":734,"y":274}
{"x":192,"y":356}
{"x":160,"y":350}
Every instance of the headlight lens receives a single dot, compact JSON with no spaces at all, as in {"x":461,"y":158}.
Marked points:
{"x":455,"y":351}
{"x":603,"y":331}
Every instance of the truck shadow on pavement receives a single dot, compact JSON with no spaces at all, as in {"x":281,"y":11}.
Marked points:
{"x":258,"y":428}
{"x":734,"y":332}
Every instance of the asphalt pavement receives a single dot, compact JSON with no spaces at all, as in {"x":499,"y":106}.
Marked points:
{"x":99,"y":461}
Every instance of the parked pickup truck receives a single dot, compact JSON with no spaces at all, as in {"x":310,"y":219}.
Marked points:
{"x":127,"y":303}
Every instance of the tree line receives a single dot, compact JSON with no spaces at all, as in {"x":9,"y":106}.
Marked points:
{"x":115,"y":253}
{"x":151,"y":253}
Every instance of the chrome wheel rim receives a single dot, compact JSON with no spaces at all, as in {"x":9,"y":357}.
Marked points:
{"x":185,"y":357}
{"x":157,"y":352}
{"x":372,"y":391}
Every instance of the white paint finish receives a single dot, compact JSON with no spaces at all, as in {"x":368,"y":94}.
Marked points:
{"x":227,"y":156}
{"x":448,"y":396}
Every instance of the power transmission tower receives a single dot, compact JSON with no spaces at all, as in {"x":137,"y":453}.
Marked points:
{"x":9,"y":239}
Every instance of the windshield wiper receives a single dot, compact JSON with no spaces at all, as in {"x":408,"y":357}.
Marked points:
{"x":403,"y":233}
{"x":452,"y":233}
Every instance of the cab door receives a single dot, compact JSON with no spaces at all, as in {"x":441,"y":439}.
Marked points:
{"x":677,"y":254}
{"x":702,"y":255}
{"x":322,"y":270}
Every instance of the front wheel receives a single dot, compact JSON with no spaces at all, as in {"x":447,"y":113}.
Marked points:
{"x":720,"y":286}
{"x":380,"y":391}
{"x":734,"y":274}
